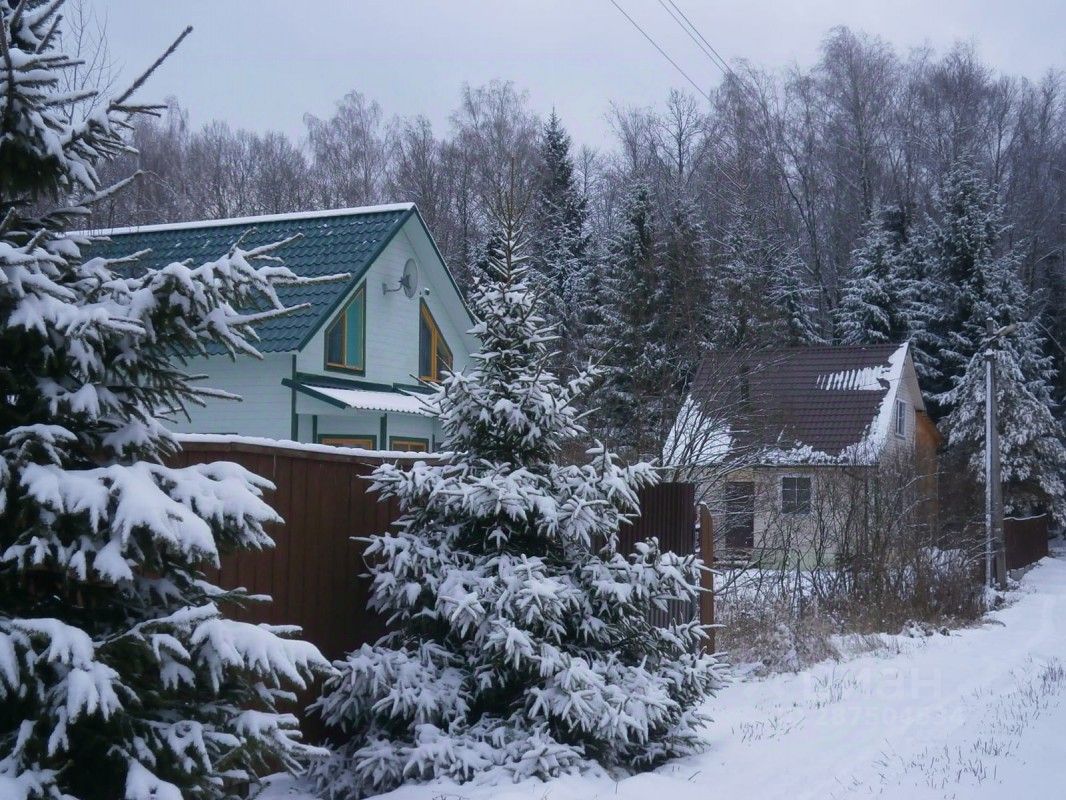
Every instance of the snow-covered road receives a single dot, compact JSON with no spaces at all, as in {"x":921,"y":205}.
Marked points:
{"x":970,"y":715}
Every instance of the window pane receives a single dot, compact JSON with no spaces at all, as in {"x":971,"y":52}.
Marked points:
{"x":335,"y":342}
{"x":425,"y":348}
{"x":408,"y":445}
{"x":353,"y":353}
{"x":795,"y":495}
{"x":444,"y":356}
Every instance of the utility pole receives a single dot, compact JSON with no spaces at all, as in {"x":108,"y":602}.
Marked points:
{"x":995,"y":549}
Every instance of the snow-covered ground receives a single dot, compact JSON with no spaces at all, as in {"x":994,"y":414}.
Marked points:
{"x":971,"y":715}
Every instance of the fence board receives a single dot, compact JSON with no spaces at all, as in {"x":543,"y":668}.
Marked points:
{"x":1026,"y":540}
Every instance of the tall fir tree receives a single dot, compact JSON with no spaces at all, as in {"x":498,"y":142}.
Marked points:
{"x":560,"y":230}
{"x":522,"y":641}
{"x":741,"y":316}
{"x":618,"y":336}
{"x":119,"y":676}
{"x":680,"y":308}
{"x":757,"y":296}
{"x":872,"y":308}
{"x":796,"y":303}
{"x":917,"y":306}
{"x":975,"y":283}
{"x":961,"y":264}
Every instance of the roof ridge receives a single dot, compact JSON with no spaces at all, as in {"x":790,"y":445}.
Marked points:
{"x":262,"y":218}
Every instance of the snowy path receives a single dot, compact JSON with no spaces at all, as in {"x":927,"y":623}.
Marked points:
{"x":962,"y":716}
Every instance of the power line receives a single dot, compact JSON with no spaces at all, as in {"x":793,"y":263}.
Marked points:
{"x":721,"y":62}
{"x":709,"y":50}
{"x":662,"y":52}
{"x":693,"y":36}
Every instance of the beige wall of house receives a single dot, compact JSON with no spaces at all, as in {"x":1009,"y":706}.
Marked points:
{"x":801,"y":516}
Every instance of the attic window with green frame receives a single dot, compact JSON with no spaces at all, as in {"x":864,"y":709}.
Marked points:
{"x":346,"y":336}
{"x":434,"y":355}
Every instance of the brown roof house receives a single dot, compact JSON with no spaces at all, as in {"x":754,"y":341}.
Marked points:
{"x":807,"y":451}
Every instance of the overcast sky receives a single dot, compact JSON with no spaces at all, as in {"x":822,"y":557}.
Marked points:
{"x":261,"y":64}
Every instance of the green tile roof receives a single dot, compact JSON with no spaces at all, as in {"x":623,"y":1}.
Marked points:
{"x":346,"y":240}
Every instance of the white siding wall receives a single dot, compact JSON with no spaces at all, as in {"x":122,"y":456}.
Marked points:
{"x":265,"y":406}
{"x":910,"y":393}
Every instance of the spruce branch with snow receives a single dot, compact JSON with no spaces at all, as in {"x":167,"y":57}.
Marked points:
{"x":119,"y":675}
{"x":521,"y":643}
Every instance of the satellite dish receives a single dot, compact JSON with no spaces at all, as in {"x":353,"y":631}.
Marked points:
{"x":409,"y":281}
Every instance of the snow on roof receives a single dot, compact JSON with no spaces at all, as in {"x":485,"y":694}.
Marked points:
{"x":877,"y":434}
{"x":367,"y":400}
{"x":697,"y":438}
{"x":866,"y":379}
{"x":867,"y":450}
{"x":262,"y":218}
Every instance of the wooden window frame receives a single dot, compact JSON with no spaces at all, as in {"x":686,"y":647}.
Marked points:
{"x":359,"y":296}
{"x":436,"y":340}
{"x":901,"y":419}
{"x":348,"y":437}
{"x":792,"y":505}
{"x":403,"y":440}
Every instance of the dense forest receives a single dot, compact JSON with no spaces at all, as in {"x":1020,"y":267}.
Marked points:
{"x":873,"y":196}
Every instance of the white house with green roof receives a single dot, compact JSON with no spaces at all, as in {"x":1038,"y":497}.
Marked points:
{"x":348,"y":368}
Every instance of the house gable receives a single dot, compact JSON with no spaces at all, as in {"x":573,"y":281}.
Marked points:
{"x":392,"y":318}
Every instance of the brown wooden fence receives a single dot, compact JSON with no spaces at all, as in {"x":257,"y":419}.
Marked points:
{"x":1026,"y":540}
{"x":313,"y":573}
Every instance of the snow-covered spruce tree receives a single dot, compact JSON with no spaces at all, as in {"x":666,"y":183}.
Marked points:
{"x":975,"y":284}
{"x":119,"y":677}
{"x":680,"y":307}
{"x":961,"y":258}
{"x":758,"y":299}
{"x":918,"y":308}
{"x":618,"y":336}
{"x":871,"y":308}
{"x":1032,"y":453}
{"x":795,"y":301}
{"x":522,"y":644}
{"x":1031,"y":439}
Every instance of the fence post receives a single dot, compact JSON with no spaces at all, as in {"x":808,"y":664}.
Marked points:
{"x":706,"y":576}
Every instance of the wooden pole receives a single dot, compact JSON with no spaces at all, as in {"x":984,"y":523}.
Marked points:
{"x":706,"y":576}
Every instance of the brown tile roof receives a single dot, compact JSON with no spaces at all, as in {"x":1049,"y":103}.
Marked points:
{"x":822,"y":397}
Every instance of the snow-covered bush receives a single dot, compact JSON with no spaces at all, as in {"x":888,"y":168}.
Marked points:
{"x":522,"y":645}
{"x":119,"y":676}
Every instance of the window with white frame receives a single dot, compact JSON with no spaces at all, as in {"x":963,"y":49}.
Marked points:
{"x":795,"y":495}
{"x":901,"y":418}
